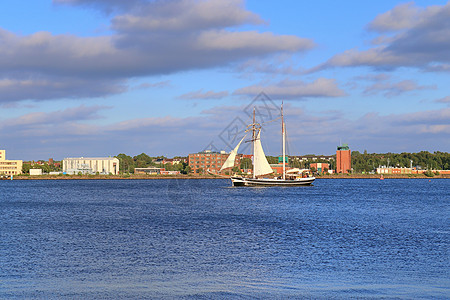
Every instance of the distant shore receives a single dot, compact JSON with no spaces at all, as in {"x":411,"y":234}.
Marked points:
{"x":147,"y":177}
{"x":386,"y":176}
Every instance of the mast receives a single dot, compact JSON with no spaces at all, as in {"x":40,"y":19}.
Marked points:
{"x":253,"y":141}
{"x":283,"y":132}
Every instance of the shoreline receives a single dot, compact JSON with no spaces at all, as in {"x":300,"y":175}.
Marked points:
{"x":156,"y":177}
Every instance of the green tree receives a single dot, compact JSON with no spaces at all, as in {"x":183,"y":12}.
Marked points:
{"x":423,"y":159}
{"x":429,"y":173}
{"x":142,"y":160}
{"x":246,"y":163}
{"x":126,"y":163}
{"x":26,"y":168}
{"x":272,"y":159}
{"x":187,"y":169}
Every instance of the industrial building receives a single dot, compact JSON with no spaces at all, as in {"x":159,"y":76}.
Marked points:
{"x":343,"y":159}
{"x":320,"y":167}
{"x":397,"y":170}
{"x":278,"y":168}
{"x":9,"y":167}
{"x":149,"y":170}
{"x":85,"y":165}
{"x":155,"y":171}
{"x":212,"y":161}
{"x":36,"y":172}
{"x":306,"y":158}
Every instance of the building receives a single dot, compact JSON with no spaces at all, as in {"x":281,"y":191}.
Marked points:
{"x":94,"y":165}
{"x":320,"y":167}
{"x":9,"y":167}
{"x":306,"y":158}
{"x":396,"y":171}
{"x":155,"y":171}
{"x":179,"y":160}
{"x":278,"y":168}
{"x":149,"y":170}
{"x":51,"y":162}
{"x":35,"y":172}
{"x":343,"y":159}
{"x":383,"y":170}
{"x":173,"y":161}
{"x":208,"y":160}
{"x":167,"y":161}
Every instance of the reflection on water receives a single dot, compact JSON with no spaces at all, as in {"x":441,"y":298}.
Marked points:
{"x":201,"y":239}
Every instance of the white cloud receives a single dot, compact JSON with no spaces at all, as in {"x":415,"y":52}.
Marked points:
{"x":280,"y":66}
{"x":185,"y":16}
{"x":150,"y":38}
{"x":421,"y":39}
{"x":160,"y":84}
{"x":108,"y":6}
{"x":204,"y":95}
{"x":438,"y":67}
{"x":46,"y":88}
{"x":251,"y":41}
{"x":395,"y":89}
{"x":427,"y":119}
{"x":373,"y":77}
{"x":295,"y":89}
{"x":64,"y":133}
{"x":403,"y":16}
{"x":443,"y":100}
{"x":62,"y":116}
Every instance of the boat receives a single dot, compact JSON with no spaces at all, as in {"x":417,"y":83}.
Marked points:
{"x":6,"y":177}
{"x":261,"y":166}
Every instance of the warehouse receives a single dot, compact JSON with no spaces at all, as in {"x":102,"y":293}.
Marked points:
{"x":85,"y":165}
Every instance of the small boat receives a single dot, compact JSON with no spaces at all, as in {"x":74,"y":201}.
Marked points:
{"x":261,"y":166}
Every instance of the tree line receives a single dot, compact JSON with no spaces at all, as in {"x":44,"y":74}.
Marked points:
{"x":127,"y":164}
{"x":361,"y":162}
{"x":366,"y":162}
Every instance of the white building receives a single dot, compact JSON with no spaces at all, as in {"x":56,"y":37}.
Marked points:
{"x":9,"y":167}
{"x":35,"y":172}
{"x":93,"y":165}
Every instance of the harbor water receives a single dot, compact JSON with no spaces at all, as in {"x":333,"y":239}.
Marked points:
{"x":190,"y":239}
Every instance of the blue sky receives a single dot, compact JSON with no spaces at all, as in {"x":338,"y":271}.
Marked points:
{"x":103,"y":77}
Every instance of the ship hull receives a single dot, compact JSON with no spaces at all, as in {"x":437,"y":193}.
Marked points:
{"x":242,"y":181}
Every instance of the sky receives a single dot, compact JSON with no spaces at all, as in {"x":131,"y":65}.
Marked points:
{"x":97,"y":78}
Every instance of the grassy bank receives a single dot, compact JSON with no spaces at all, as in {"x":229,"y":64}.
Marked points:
{"x":145,"y":177}
{"x":377,"y":176}
{"x":107,"y":177}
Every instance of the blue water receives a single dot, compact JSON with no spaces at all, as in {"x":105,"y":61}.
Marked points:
{"x":136,"y":239}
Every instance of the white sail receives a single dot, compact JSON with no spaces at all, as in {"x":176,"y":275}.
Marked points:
{"x":229,"y":163}
{"x":260,"y":164}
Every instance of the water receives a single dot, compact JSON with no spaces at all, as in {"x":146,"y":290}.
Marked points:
{"x":136,"y":239}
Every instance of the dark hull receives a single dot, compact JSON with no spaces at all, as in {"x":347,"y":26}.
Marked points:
{"x":242,"y":181}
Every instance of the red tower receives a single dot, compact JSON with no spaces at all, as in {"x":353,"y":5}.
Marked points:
{"x":343,"y":159}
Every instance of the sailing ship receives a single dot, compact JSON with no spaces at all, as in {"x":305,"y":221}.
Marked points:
{"x":261,"y":166}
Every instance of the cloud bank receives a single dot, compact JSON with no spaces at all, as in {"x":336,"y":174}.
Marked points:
{"x":295,"y":89}
{"x":149,"y":38}
{"x":65,"y":133}
{"x":409,"y":37}
{"x":196,"y":95}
